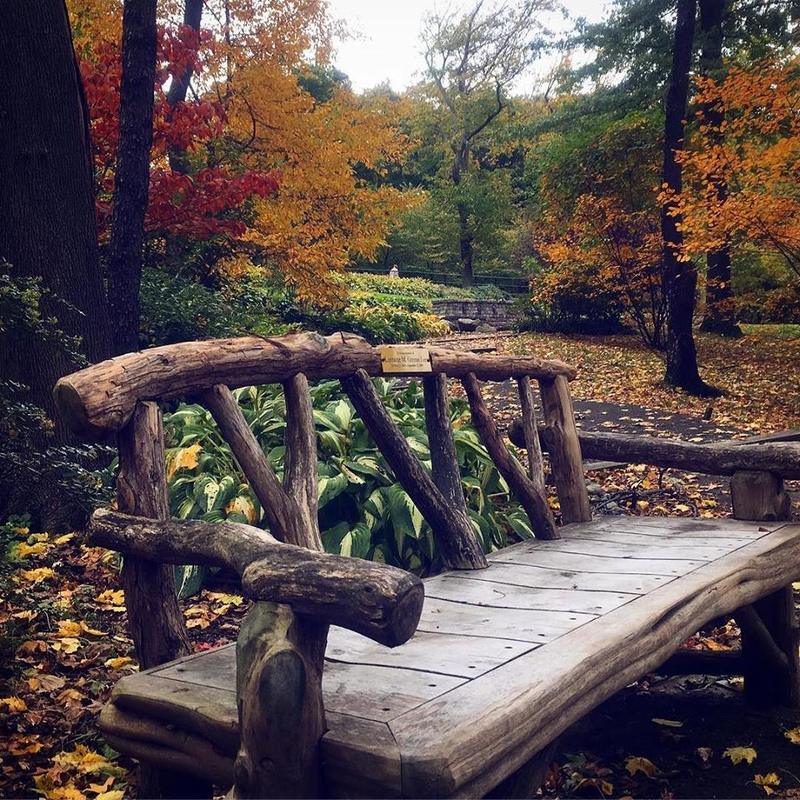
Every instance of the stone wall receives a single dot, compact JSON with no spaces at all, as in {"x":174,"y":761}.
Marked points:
{"x":467,"y":315}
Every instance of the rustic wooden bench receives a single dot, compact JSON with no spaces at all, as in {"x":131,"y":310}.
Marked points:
{"x":455,"y":686}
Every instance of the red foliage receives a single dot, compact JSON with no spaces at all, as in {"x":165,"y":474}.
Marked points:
{"x":197,"y":204}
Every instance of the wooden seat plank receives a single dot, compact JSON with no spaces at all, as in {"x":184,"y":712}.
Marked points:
{"x":447,"y":654}
{"x":687,"y":526}
{"x":462,"y":744}
{"x":526,"y":625}
{"x":593,"y":563}
{"x":688,"y":543}
{"x":615,"y":548}
{"x":515,"y":574}
{"x":502,"y":595}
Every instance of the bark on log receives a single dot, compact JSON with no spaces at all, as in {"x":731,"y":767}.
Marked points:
{"x":378,"y":601}
{"x":760,"y":495}
{"x":454,"y":534}
{"x":300,"y":467}
{"x":564,"y":447}
{"x":444,"y":463}
{"x":534,"y":502}
{"x":154,"y":617}
{"x":719,"y":458}
{"x":279,"y":664}
{"x":283,"y":513}
{"x":101,"y":398}
{"x":530,"y":435}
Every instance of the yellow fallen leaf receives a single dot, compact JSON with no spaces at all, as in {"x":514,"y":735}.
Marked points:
{"x":642,"y":505}
{"x":66,"y":645}
{"x":636,"y":764}
{"x":223,"y":597}
{"x":793,"y":735}
{"x":91,"y":631}
{"x":67,"y":537}
{"x":667,"y":723}
{"x":114,"y":794}
{"x":36,"y":575}
{"x":68,"y":627}
{"x":83,"y":759}
{"x":69,"y":792}
{"x":119,"y":662}
{"x":13,"y":704}
{"x":243,"y":505}
{"x":31,"y":647}
{"x":767,"y":782}
{"x":23,"y":550}
{"x":101,"y":787}
{"x":111,"y":600}
{"x":682,"y":508}
{"x":739,"y":754}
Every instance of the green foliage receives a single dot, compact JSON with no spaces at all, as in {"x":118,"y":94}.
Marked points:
{"x":178,"y":309}
{"x":364,"y":511}
{"x":31,"y":464}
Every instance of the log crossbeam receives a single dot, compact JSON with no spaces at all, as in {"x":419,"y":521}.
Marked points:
{"x":381,"y":602}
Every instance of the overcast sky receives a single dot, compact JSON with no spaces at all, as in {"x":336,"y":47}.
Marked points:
{"x":387,"y":44}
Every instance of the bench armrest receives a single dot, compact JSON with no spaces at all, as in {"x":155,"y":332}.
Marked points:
{"x":381,"y":602}
{"x":716,"y":458}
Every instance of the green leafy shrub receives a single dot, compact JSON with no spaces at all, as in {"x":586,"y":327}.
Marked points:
{"x":781,"y":305}
{"x":363,"y":510}
{"x":180,"y":309}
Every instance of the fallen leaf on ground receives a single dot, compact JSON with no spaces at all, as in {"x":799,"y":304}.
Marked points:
{"x":739,"y":754}
{"x":636,"y":764}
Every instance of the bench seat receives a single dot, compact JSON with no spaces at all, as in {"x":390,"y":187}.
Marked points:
{"x":504,"y":659}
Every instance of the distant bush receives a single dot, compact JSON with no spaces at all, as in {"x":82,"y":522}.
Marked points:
{"x":179,"y":309}
{"x":780,"y":305}
{"x":573,"y":303}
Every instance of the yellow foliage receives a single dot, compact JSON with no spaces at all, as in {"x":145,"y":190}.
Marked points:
{"x":36,"y":575}
{"x":739,"y":754}
{"x":13,"y":705}
{"x":183,"y":458}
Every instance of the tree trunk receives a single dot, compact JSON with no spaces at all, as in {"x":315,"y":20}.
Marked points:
{"x":719,"y":316}
{"x":132,"y":178}
{"x":47,"y":231}
{"x":464,"y":235}
{"x":47,"y":216}
{"x":680,"y":277}
{"x":192,"y":17}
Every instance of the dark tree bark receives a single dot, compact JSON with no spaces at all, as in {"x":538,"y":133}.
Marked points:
{"x":719,"y":314}
{"x":132,"y":178}
{"x":47,"y":216}
{"x":192,"y":17}
{"x":47,"y":232}
{"x":680,"y":277}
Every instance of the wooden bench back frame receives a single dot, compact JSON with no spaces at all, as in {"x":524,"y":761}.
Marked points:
{"x":278,"y":646}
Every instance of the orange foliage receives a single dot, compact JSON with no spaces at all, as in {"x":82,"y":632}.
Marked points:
{"x":755,"y":151}
{"x":253,"y":118}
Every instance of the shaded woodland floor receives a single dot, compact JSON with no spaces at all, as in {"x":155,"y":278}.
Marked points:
{"x":62,"y":624}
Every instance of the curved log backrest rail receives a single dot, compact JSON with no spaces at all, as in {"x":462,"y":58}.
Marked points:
{"x":381,"y":602}
{"x":100,"y":399}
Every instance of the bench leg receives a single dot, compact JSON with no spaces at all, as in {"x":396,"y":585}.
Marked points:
{"x":525,"y":782}
{"x":156,"y":782}
{"x":768,"y":680}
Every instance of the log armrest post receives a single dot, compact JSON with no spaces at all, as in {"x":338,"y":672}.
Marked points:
{"x":769,"y":628}
{"x":564,"y":447}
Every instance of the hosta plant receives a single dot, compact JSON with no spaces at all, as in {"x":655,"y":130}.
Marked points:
{"x":363,"y":510}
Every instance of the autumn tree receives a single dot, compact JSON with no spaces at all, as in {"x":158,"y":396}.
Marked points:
{"x":471,"y":63}
{"x":749,"y":140}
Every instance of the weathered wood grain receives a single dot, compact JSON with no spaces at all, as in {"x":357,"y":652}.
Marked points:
{"x":500,"y":595}
{"x":101,"y":398}
{"x":530,"y":437}
{"x":564,"y":448}
{"x":715,"y":458}
{"x":530,"y":496}
{"x":460,"y":656}
{"x":154,"y":617}
{"x":379,"y":601}
{"x":465,"y":745}
{"x":525,"y":625}
{"x":300,"y":462}
{"x":620,"y":549}
{"x":513,"y":574}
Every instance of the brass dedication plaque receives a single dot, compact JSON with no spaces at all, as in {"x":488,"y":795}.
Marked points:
{"x":408,"y":358}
